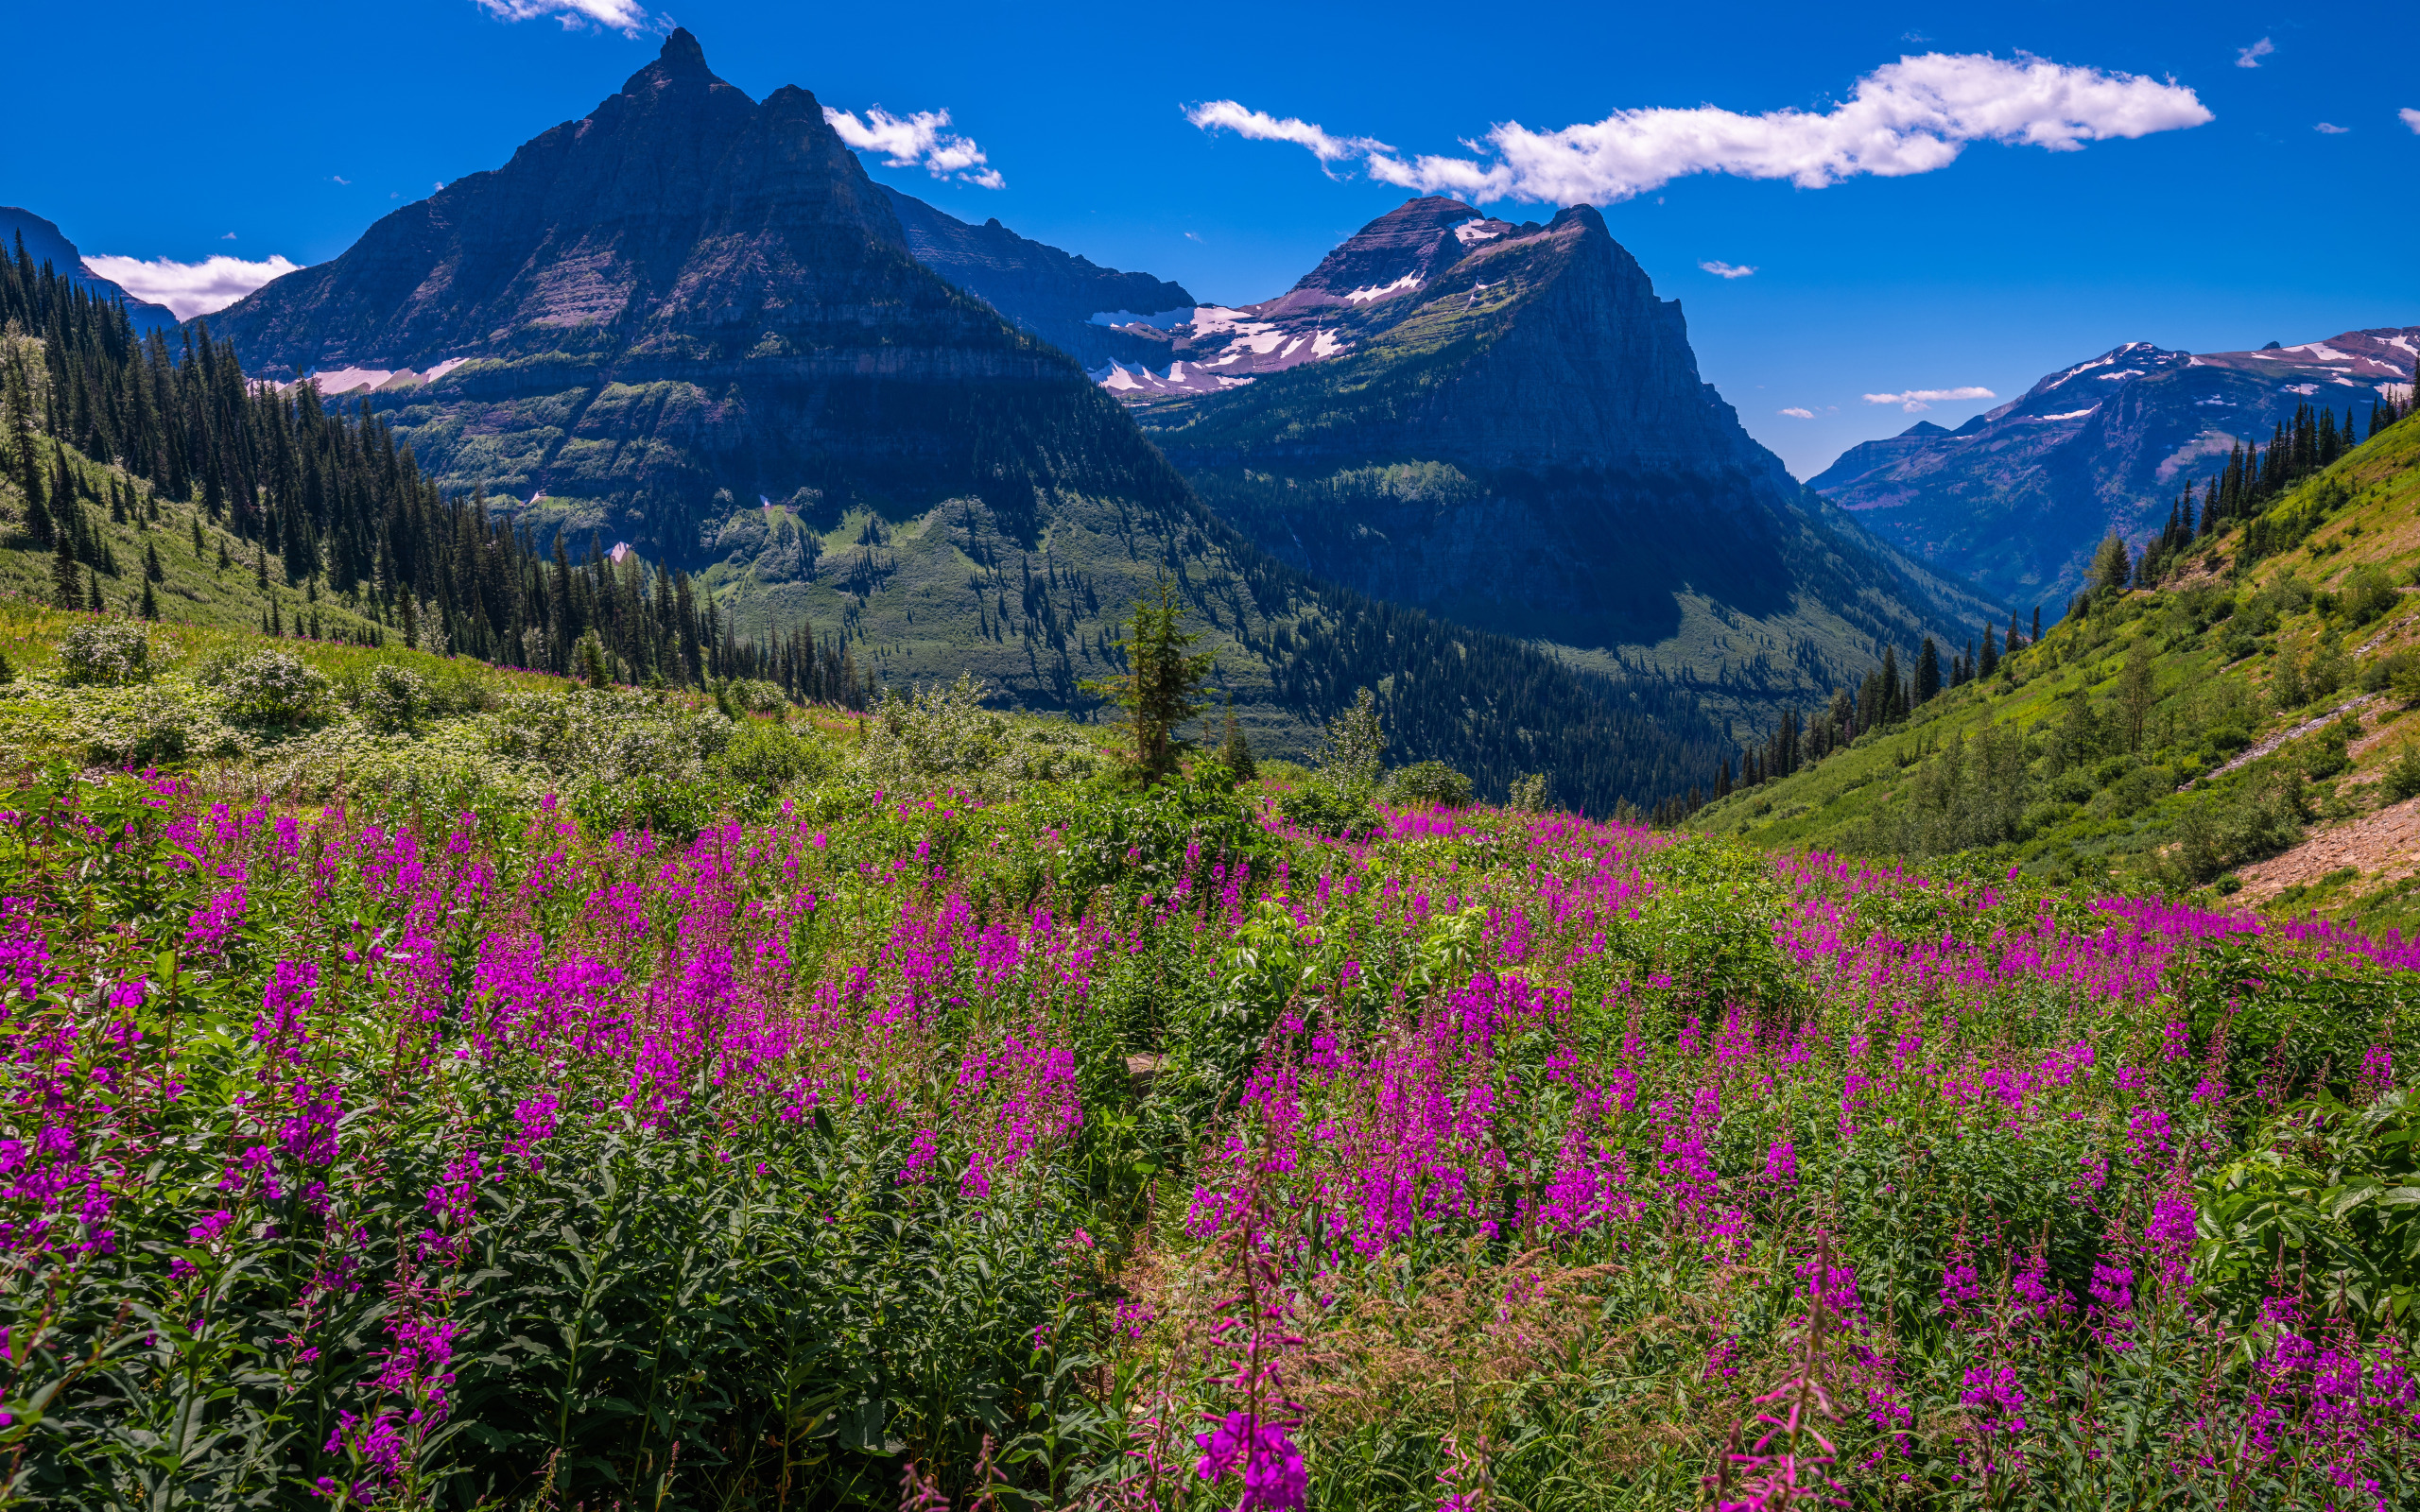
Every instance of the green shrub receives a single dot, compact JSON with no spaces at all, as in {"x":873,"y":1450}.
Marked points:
{"x":104,"y":655}
{"x":754,"y":695}
{"x":2402,"y":779}
{"x":390,"y":699}
{"x":1428,"y":784}
{"x":764,"y":755}
{"x":944,"y":736}
{"x":271,"y":688}
{"x":2367,"y":595}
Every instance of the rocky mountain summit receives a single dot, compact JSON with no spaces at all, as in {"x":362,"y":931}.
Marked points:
{"x":45,"y":242}
{"x":1504,"y":424}
{"x":2018,"y":497}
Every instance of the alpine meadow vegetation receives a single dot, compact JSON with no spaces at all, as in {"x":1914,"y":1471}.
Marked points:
{"x":909,"y":1109}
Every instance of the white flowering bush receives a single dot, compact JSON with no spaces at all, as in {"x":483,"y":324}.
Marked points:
{"x":271,"y":688}
{"x":945,"y":734}
{"x":105,"y":654}
{"x":608,"y":733}
{"x":390,"y":700}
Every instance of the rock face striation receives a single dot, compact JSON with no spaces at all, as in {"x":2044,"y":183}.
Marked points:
{"x":1503,"y":424}
{"x":45,"y":243}
{"x":1070,"y":302}
{"x":2018,"y":498}
{"x":690,"y":323}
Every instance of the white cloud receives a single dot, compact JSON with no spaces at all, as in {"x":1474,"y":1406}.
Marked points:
{"x":2411,"y":118}
{"x":229,"y":237}
{"x":1912,"y":117}
{"x":2250,"y":57}
{"x":2330,"y":129}
{"x":341,"y":178}
{"x":1916,"y":399}
{"x":190,"y":289}
{"x":1259,"y":125}
{"x":612,"y":15}
{"x":1796,"y":413}
{"x":916,"y":141}
{"x":1721,"y":269}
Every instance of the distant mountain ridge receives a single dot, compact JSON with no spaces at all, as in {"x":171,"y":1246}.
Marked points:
{"x":1067,"y":301}
{"x":2017,"y":498}
{"x":45,"y":242}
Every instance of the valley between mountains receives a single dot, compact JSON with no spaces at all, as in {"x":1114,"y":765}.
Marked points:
{"x":686,"y":835}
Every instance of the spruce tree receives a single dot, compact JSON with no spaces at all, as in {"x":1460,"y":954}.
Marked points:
{"x":151,"y":605}
{"x":1158,"y":692}
{"x":1235,"y":751}
{"x":66,"y":582}
{"x":93,"y":599}
{"x":1927,"y":671}
{"x":1991,"y":662}
{"x":151,"y":572}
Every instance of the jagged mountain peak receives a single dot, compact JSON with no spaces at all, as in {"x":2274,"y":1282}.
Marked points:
{"x":681,"y":54}
{"x":679,"y":215}
{"x":1394,"y":255}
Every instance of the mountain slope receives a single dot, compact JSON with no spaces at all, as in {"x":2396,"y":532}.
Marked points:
{"x":2259,"y":738}
{"x":1067,"y":301}
{"x":1503,"y":424}
{"x":45,"y":242}
{"x":689,"y":322}
{"x":2016,"y":499}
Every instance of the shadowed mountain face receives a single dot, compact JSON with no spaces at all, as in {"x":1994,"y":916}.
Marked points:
{"x":1067,"y":301}
{"x":1503,"y":424}
{"x":2018,"y":498}
{"x":690,"y":322}
{"x":45,"y":243}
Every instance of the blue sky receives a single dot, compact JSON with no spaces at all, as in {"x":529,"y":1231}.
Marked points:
{"x":293,"y":126}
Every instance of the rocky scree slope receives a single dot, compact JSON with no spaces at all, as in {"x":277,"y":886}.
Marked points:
{"x":1503,"y":424}
{"x":691,"y":324}
{"x":2017,"y":498}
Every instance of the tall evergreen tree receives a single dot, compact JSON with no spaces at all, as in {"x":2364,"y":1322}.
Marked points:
{"x":1927,"y":671}
{"x":1157,"y":691}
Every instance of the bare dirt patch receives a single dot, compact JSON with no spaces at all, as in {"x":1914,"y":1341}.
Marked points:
{"x":2383,"y":847}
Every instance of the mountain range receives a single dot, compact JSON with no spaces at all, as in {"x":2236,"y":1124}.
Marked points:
{"x":44,"y":242}
{"x":2017,"y":498}
{"x":688,"y":322}
{"x":1502,"y":423}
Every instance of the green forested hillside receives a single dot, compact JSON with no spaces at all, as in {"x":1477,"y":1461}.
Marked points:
{"x":2169,"y":735}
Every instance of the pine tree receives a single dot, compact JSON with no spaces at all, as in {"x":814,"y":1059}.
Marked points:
{"x":1235,"y":751}
{"x":93,"y":599}
{"x":1927,"y":671}
{"x":1991,"y":662}
{"x":151,"y":572}
{"x":2036,"y":639}
{"x":151,"y":605}
{"x":66,"y":581}
{"x":1157,"y":694}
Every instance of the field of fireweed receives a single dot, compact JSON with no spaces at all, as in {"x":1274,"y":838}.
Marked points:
{"x":1130,"y":1151}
